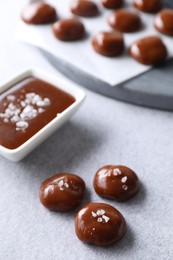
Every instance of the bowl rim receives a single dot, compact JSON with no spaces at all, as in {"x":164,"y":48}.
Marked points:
{"x":69,"y":87}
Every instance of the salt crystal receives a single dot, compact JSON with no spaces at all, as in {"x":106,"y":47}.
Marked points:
{"x":116,"y":172}
{"x":106,"y":219}
{"x":36,"y":99}
{"x":125,"y":187}
{"x":40,"y":110}
{"x":43,"y":103}
{"x":21,"y":125}
{"x":100,"y":212}
{"x":6,"y":120}
{"x":15,"y":118}
{"x":11,"y":98}
{"x":99,"y":220}
{"x":60,"y":183}
{"x":124,"y":179}
{"x":11,"y":106}
{"x":23,"y":104}
{"x":66,"y":185}
{"x":93,"y":214}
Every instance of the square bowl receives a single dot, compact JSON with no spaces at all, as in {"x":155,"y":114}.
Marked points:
{"x":20,"y":152}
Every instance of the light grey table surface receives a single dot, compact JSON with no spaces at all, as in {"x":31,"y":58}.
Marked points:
{"x":104,"y":131}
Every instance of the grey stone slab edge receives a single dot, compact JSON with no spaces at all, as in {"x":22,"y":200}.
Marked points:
{"x":152,"y":89}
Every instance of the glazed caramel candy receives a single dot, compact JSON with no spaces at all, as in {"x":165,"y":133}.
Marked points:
{"x":69,"y":29}
{"x":27,"y":107}
{"x":125,"y":21}
{"x":116,"y":182}
{"x":99,"y":224}
{"x":149,"y":50}
{"x":112,"y":4}
{"x":39,"y":13}
{"x":62,"y":192}
{"x":108,"y":43}
{"x":84,"y":8}
{"x":148,"y":6}
{"x":164,"y":22}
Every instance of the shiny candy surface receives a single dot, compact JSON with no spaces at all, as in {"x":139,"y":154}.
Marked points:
{"x":70,"y":29}
{"x":148,"y":6}
{"x":62,"y":192}
{"x":112,"y":4}
{"x":116,"y":182}
{"x":99,"y":224}
{"x":164,"y":21}
{"x":39,"y":13}
{"x":149,"y":50}
{"x":84,"y":8}
{"x":125,"y":21}
{"x":108,"y":43}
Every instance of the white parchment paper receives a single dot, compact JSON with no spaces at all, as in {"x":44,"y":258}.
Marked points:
{"x":81,"y":54}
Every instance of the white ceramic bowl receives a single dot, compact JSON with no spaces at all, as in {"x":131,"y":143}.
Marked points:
{"x":23,"y":150}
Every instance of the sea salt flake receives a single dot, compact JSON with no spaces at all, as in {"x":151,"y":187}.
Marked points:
{"x":29,"y":112}
{"x":125,"y":187}
{"x":11,"y":106}
{"x":9,"y":112}
{"x":116,"y":172}
{"x":43,"y":103}
{"x":60,"y":183}
{"x":124,"y":179}
{"x":106,"y":219}
{"x":2,"y":115}
{"x":11,"y":98}
{"x":40,"y":110}
{"x":36,"y":99}
{"x":21,"y":125}
{"x":30,"y":95}
{"x":6,"y":120}
{"x":15,"y":118}
{"x":93,"y":214}
{"x":100,"y":212}
{"x":99,"y":220}
{"x":66,"y":185}
{"x":23,"y":104}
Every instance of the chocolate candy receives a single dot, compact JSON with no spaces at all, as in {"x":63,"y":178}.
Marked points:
{"x":99,"y":224}
{"x":148,"y":6}
{"x":116,"y":182}
{"x":39,"y":13}
{"x":69,"y":29}
{"x":164,"y":21}
{"x":84,"y":8}
{"x":125,"y":21}
{"x":149,"y":50}
{"x":112,"y":4}
{"x":62,"y":192}
{"x":108,"y":43}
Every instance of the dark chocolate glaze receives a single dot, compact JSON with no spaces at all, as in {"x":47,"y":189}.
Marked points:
{"x":39,"y":13}
{"x":99,"y":224}
{"x":69,"y":29}
{"x":116,"y":182}
{"x":27,"y":107}
{"x":149,"y":50}
{"x":84,"y":8}
{"x":108,"y":43}
{"x":62,"y":192}
{"x":125,"y":21}
{"x":112,"y":4}
{"x":164,"y":21}
{"x":148,"y":6}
